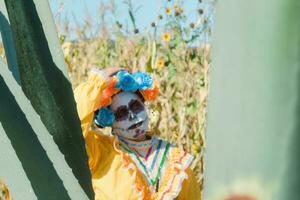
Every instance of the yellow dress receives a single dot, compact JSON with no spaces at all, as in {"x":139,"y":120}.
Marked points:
{"x":114,"y":175}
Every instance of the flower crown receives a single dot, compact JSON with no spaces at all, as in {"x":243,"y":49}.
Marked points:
{"x":124,"y":81}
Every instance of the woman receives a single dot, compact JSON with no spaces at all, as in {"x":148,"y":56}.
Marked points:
{"x":131,"y":164}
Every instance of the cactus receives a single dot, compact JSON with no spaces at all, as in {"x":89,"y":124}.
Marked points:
{"x":44,"y":113}
{"x":8,"y":43}
{"x":251,"y":107}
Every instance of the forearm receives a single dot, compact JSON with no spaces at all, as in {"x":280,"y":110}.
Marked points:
{"x":87,"y":96}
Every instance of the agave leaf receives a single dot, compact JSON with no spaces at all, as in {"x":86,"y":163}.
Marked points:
{"x":9,"y":46}
{"x":45,"y":83}
{"x":31,"y":164}
{"x":253,"y":121}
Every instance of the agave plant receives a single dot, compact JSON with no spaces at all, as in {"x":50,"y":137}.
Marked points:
{"x":253,"y":122}
{"x":44,"y":154}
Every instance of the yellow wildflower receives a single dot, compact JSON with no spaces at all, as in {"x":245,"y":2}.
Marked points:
{"x":168,"y":11}
{"x":166,"y":37}
{"x":160,"y":63}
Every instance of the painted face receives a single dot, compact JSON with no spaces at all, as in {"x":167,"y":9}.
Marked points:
{"x":131,"y":118}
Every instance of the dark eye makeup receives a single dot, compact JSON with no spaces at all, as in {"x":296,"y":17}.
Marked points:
{"x":136,"y":106}
{"x":122,"y":112}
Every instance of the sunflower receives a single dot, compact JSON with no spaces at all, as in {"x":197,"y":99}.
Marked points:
{"x":166,"y":37}
{"x":160,"y":63}
{"x":169,"y":11}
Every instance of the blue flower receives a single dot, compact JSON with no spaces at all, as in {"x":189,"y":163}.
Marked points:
{"x":143,"y":80}
{"x":105,"y":118}
{"x":126,"y":82}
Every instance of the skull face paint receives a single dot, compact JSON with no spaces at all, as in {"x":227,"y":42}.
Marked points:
{"x":131,"y":118}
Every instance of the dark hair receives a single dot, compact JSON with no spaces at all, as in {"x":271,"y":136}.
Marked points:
{"x":140,"y":95}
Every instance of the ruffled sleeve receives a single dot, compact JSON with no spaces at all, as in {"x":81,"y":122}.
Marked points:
{"x":178,"y":181}
{"x":87,"y":96}
{"x":190,"y":187}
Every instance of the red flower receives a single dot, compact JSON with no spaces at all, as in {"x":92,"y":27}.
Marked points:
{"x":108,"y":92}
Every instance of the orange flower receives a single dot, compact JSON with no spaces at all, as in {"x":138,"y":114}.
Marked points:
{"x":107,"y":93}
{"x":151,"y":94}
{"x":166,"y":37}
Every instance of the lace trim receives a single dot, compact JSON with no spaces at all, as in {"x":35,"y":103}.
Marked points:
{"x":142,"y":192}
{"x":171,"y":183}
{"x":173,"y":179}
{"x":151,"y":178}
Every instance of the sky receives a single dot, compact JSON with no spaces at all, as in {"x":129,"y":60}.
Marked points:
{"x":146,"y":11}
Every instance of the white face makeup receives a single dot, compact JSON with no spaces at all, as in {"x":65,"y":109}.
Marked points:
{"x":131,"y":118}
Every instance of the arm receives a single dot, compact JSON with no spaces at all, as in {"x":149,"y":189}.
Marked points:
{"x":87,"y":96}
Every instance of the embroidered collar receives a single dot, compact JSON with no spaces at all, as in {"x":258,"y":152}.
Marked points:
{"x":170,"y":182}
{"x":152,"y":168}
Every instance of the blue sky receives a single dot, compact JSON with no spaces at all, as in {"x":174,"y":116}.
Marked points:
{"x":147,"y":12}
